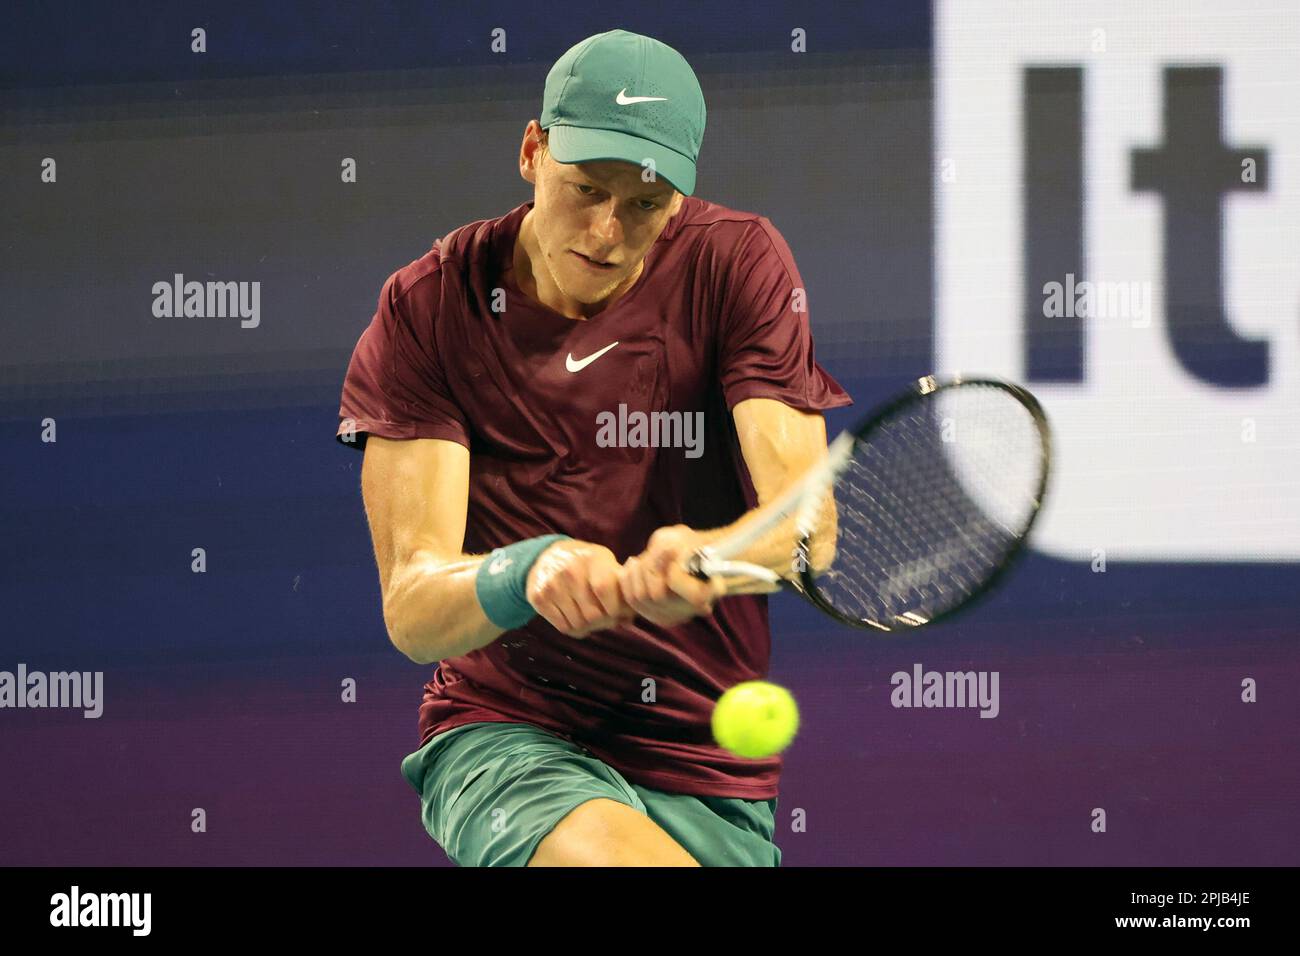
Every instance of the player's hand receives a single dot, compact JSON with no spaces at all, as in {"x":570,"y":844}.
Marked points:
{"x":574,"y":585}
{"x":658,"y":588}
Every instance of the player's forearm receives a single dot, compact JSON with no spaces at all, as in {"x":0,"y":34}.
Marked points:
{"x":432,"y":610}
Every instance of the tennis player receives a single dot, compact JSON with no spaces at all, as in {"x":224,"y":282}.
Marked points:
{"x":528,"y":527}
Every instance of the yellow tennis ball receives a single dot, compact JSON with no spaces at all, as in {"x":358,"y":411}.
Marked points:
{"x":755,"y":719}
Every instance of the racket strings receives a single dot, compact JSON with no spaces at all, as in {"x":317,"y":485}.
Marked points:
{"x":932,"y":504}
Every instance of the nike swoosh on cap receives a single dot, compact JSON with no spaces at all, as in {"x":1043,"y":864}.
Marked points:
{"x":623,"y":99}
{"x":577,"y":365}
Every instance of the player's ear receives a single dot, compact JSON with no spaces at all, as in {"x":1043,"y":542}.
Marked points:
{"x":531,"y":154}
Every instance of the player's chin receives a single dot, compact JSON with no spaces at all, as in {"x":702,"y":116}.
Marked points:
{"x":592,"y":289}
{"x":589,"y":276}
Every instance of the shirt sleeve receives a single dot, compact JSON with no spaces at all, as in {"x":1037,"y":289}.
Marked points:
{"x":766,"y":348}
{"x":396,"y":386}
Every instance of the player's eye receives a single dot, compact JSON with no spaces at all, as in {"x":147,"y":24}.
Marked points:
{"x":584,"y":188}
{"x":648,"y":205}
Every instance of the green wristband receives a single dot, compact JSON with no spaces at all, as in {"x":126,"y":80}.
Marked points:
{"x":502,"y":581}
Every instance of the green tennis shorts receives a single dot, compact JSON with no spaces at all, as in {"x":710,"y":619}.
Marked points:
{"x":490,"y":792}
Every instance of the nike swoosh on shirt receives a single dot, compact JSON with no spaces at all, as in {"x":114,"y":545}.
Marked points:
{"x":624,"y":100}
{"x":577,"y":365}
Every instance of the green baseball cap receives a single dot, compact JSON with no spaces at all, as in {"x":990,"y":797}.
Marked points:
{"x":621,"y":95}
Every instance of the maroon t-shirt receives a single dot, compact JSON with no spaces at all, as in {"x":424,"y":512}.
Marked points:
{"x":456,"y":351}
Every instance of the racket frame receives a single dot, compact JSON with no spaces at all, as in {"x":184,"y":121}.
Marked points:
{"x":805,"y":496}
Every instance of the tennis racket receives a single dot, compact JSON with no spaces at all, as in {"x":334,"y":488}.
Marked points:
{"x":913,"y":514}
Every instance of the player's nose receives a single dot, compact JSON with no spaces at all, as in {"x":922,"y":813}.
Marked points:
{"x":606,"y":229}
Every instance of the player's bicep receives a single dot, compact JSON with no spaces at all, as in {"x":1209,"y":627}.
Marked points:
{"x":779,"y":443}
{"x":416,"y":494}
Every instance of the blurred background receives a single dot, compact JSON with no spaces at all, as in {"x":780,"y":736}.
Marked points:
{"x":934,"y":170}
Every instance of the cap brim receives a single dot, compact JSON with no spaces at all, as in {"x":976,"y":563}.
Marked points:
{"x":577,"y":144}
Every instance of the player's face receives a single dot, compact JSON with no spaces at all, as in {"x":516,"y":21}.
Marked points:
{"x":595,"y":222}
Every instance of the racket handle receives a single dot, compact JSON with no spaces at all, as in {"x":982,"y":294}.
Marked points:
{"x":695,"y":566}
